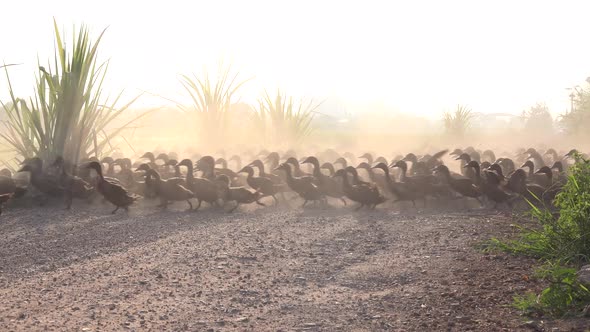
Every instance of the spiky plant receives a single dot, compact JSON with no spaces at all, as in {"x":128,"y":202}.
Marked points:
{"x":65,"y":116}
{"x":457,"y":123}
{"x":283,"y":120}
{"x":211,"y":103}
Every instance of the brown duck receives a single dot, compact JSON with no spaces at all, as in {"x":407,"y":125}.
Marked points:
{"x":112,"y":192}
{"x":240,"y":195}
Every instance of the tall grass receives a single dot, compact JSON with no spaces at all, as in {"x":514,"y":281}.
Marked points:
{"x":282,"y":120}
{"x":457,"y":123}
{"x":211,"y":103}
{"x":66,"y":116}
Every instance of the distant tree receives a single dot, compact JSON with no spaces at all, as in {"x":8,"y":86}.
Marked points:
{"x":538,"y":119}
{"x":457,"y":123}
{"x":577,"y":120}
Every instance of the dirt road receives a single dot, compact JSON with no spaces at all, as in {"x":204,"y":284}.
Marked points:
{"x":268,"y":269}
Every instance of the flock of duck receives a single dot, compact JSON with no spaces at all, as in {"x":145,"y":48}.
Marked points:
{"x":326,"y":175}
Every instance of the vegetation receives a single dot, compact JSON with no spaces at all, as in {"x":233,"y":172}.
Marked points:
{"x":577,"y":119}
{"x":538,"y":119}
{"x":66,"y":116}
{"x":457,"y":123}
{"x":563,"y":241}
{"x":282,"y":120}
{"x":212,"y":102}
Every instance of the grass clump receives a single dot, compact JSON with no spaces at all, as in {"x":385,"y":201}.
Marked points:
{"x":212,"y":100}
{"x":457,"y":123}
{"x":282,"y":120}
{"x":563,"y":242}
{"x":67,"y":115}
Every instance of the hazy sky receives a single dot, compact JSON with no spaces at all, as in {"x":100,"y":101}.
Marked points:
{"x":413,"y":56}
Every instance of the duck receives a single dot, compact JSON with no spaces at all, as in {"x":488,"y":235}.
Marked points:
{"x":533,"y":177}
{"x":9,"y":185}
{"x":536,"y":156}
{"x":356,"y":179}
{"x":553,"y":156}
{"x":110,"y":171}
{"x":224,"y":169}
{"x":561,"y":174}
{"x":6,"y":173}
{"x":532,"y":192}
{"x":303,"y":187}
{"x":174,"y":163}
{"x":546,"y":171}
{"x":328,"y":166}
{"x":468,"y":172}
{"x":368,"y":156}
{"x":46,"y":184}
{"x":507,"y":165}
{"x":126,"y":176}
{"x":169,"y":190}
{"x":341,"y":161}
{"x":264,"y":185}
{"x":204,"y":189}
{"x":3,"y":199}
{"x":490,"y":189}
{"x":297,"y":172}
{"x":417,"y":168}
{"x":74,"y":187}
{"x":152,"y":159}
{"x":112,"y":192}
{"x":364,"y":194}
{"x":428,"y":184}
{"x":276,"y":179}
{"x":489,"y":156}
{"x":206,"y":164}
{"x":378,"y":179}
{"x":240,"y":195}
{"x":465,"y":187}
{"x":401,"y":190}
{"x":147,"y":188}
{"x":327,"y":185}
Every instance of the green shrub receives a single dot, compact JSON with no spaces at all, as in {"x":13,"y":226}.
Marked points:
{"x":563,"y":241}
{"x":564,"y":237}
{"x":564,"y":295}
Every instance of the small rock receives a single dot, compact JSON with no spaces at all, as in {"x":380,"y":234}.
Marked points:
{"x":584,"y":275}
{"x":111,"y":306}
{"x":242,"y":319}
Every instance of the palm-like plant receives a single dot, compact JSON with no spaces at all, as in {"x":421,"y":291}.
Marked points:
{"x":212,"y":101}
{"x":65,"y":117}
{"x":282,"y":120}
{"x":457,"y":123}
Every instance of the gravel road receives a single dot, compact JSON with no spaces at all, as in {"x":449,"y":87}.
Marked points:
{"x":261,"y":269}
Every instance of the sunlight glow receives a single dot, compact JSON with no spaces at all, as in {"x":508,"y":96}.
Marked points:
{"x":419,"y":57}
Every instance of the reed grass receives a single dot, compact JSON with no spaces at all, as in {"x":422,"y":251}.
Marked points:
{"x":212,"y":100}
{"x":282,"y":120}
{"x":67,"y":115}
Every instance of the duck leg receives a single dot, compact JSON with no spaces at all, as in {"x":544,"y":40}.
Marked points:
{"x":276,"y":200}
{"x":115,"y":210}
{"x":359,"y":207}
{"x":343,"y":200}
{"x":198,"y":205}
{"x":190,"y":205}
{"x":304,"y":203}
{"x":234,"y":208}
{"x":260,"y":203}
{"x":69,"y":200}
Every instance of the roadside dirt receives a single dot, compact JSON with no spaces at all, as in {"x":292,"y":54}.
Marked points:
{"x":265,"y":269}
